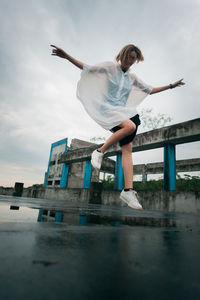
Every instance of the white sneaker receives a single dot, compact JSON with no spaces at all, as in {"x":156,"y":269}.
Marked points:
{"x":96,"y":159}
{"x":130,"y":197}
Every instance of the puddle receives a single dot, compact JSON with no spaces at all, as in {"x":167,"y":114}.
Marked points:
{"x":72,"y":216}
{"x":30,"y":210}
{"x":49,"y":248}
{"x":14,"y":213}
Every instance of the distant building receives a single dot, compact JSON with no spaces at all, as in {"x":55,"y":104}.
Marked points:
{"x":61,"y":175}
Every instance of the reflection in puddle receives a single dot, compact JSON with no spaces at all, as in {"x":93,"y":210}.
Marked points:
{"x":106,"y":218}
{"x":13,"y":213}
{"x":83,"y":214}
{"x":49,"y":260}
{"x":50,"y":216}
{"x":74,"y":218}
{"x":12,"y":207}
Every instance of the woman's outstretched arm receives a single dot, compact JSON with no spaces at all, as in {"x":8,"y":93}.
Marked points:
{"x":166,"y":87}
{"x":61,"y":53}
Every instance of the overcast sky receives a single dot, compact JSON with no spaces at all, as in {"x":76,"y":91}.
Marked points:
{"x":38,"y":102}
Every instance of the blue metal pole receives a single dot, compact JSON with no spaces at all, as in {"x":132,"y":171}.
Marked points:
{"x":65,"y":172}
{"x":87,"y":174}
{"x":169,"y":167}
{"x":119,"y":175}
{"x":64,"y":177}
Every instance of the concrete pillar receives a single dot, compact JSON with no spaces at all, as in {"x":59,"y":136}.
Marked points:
{"x":87,"y":174}
{"x":144,"y":175}
{"x":95,"y":192}
{"x":18,"y":190}
{"x":169,"y":167}
{"x":119,"y":175}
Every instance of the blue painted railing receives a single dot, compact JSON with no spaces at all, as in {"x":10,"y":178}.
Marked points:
{"x":169,"y":167}
{"x":185,"y":132}
{"x":87,"y":174}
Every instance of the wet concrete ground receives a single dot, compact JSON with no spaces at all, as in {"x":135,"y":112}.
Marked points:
{"x":61,"y":250}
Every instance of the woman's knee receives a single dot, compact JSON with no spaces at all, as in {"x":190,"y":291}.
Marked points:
{"x":130,"y":127}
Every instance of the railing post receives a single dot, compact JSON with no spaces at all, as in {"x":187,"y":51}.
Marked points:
{"x":169,"y":167}
{"x":119,"y":176}
{"x":87,"y":174}
{"x":144,"y":174}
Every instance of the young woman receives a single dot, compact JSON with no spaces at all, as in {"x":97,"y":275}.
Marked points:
{"x":110,"y":95}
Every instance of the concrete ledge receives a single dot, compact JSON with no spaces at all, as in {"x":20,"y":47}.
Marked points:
{"x":180,"y":133}
{"x":172,"y":201}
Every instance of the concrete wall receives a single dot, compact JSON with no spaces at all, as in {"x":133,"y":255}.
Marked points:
{"x":176,"y":201}
{"x":76,"y":170}
{"x":8,"y":191}
{"x":34,"y":192}
{"x":173,"y":201}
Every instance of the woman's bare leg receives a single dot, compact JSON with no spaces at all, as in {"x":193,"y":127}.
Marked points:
{"x":128,"y":127}
{"x":127,"y":165}
{"x":127,"y":195}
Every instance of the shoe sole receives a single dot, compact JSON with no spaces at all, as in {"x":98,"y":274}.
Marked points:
{"x":134,"y":207}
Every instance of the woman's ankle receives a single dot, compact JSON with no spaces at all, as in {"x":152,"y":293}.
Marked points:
{"x":100,"y":151}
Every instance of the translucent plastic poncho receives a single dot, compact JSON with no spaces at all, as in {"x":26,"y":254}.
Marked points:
{"x":109,"y":95}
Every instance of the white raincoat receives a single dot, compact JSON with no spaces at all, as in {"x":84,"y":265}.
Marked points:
{"x":109,"y":95}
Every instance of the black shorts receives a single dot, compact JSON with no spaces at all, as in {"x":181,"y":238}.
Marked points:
{"x":129,"y":138}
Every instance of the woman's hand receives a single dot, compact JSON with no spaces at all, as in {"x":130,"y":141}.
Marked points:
{"x":59,"y":52}
{"x":166,"y":87}
{"x":178,"y":83}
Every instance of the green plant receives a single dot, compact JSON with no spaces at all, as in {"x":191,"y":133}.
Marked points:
{"x":152,"y":121}
{"x":108,"y":184}
{"x":186,"y":183}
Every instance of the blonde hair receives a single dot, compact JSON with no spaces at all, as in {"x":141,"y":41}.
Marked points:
{"x":125,"y":52}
